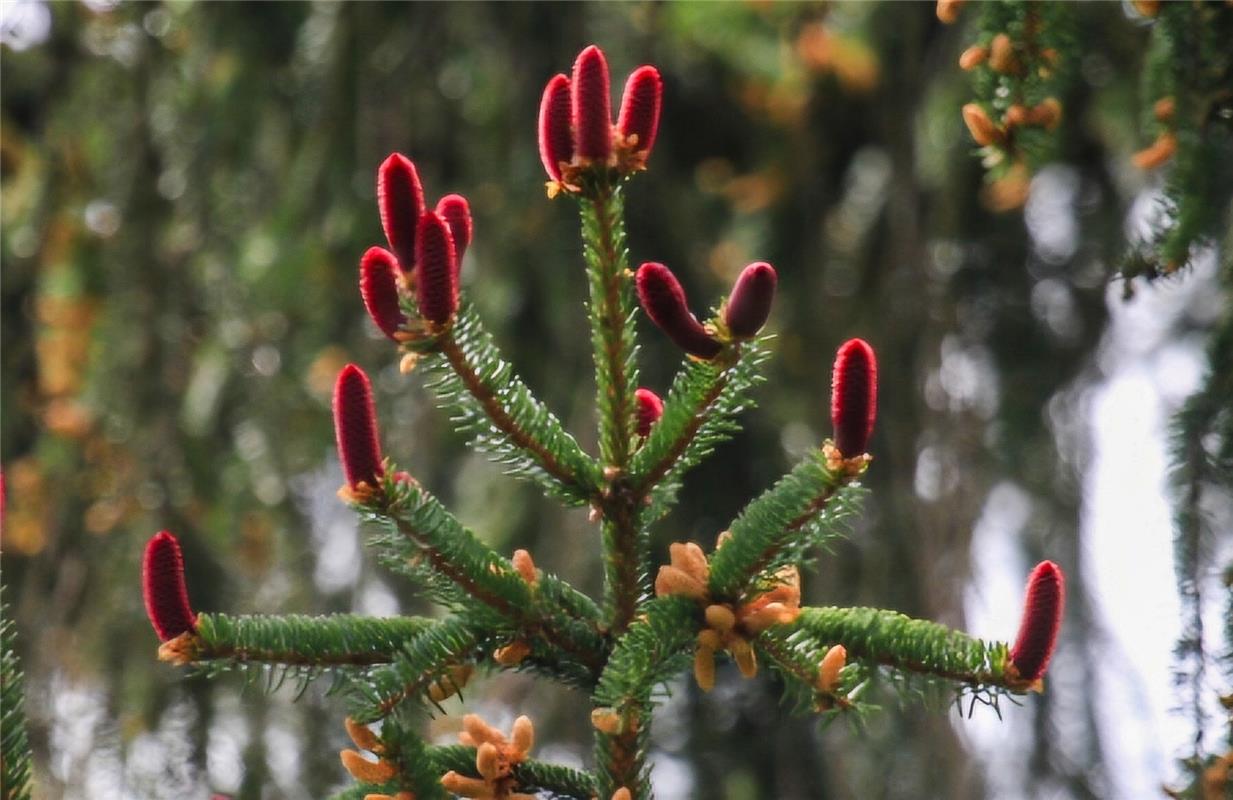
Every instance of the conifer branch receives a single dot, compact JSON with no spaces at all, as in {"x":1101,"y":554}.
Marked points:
{"x":491,"y":405}
{"x":1022,"y":64}
{"x":699,"y":413}
{"x":419,"y":767}
{"x":611,"y":314}
{"x":423,"y":537}
{"x":616,"y":377}
{"x":1202,"y":455}
{"x":14,"y":745}
{"x":339,"y":640}
{"x":530,"y":775}
{"x":898,"y":642}
{"x":1189,"y":73}
{"x":467,"y":574}
{"x":798,"y":664}
{"x":625,"y":577}
{"x":807,"y":507}
{"x":431,"y":658}
{"x":656,"y":647}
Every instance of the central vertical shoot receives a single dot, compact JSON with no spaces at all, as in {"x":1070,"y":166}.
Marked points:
{"x":616,"y":378}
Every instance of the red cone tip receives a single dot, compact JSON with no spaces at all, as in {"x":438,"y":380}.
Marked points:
{"x":650,"y":409}
{"x":640,"y":106}
{"x":163,"y":587}
{"x":556,"y":141}
{"x":400,"y":198}
{"x":436,"y":274}
{"x":591,"y":107}
{"x":749,"y":305}
{"x":379,"y":289}
{"x":854,"y":396}
{"x":355,"y":427}
{"x":1042,"y":617}
{"x":456,"y":211}
{"x":664,"y":301}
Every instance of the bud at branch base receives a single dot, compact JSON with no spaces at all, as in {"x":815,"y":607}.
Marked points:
{"x":650,"y":409}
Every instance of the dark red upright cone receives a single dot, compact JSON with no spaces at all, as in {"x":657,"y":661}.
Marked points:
{"x":854,"y":397}
{"x":650,"y":409}
{"x":556,"y":140}
{"x":355,"y":428}
{"x":639,"y":117}
{"x":456,"y":211}
{"x":163,"y":587}
{"x":436,"y":274}
{"x":400,"y":198}
{"x":664,"y":301}
{"x":379,"y":289}
{"x":1042,"y":617}
{"x":592,"y":105}
{"x":749,"y":305}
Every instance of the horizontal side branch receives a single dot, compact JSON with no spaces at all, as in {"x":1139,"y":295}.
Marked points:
{"x":491,"y":405}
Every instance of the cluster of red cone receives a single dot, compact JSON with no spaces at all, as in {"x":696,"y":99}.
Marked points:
{"x":745,"y":312}
{"x":425,"y":246}
{"x":575,"y":119}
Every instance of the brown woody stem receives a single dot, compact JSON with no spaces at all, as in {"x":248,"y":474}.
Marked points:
{"x":500,"y":417}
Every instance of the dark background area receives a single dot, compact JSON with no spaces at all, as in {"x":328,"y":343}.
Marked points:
{"x":188,"y":189}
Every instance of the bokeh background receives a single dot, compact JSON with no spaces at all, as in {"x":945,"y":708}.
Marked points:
{"x":187,"y":188}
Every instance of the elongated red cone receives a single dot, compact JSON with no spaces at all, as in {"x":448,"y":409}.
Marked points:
{"x":1042,"y":617}
{"x":436,"y":273}
{"x":854,"y":396}
{"x":749,"y":305}
{"x":456,"y":211}
{"x":163,"y":587}
{"x":664,"y":301}
{"x":379,"y":289}
{"x":640,"y":104}
{"x":556,"y":140}
{"x":400,"y":198}
{"x":355,"y":428}
{"x":591,"y":105}
{"x":650,"y":409}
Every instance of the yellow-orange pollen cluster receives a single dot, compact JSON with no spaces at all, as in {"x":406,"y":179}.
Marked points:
{"x":627,"y":157}
{"x":836,"y":462}
{"x":495,"y":759}
{"x":828,"y":674}
{"x":450,"y":683}
{"x":1160,"y":151}
{"x":513,"y":653}
{"x":728,"y":627}
{"x":365,"y":771}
